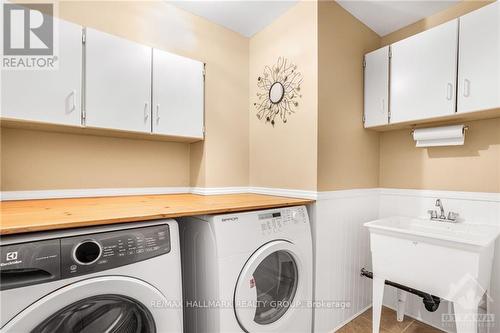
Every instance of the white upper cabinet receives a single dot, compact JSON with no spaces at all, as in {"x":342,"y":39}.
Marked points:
{"x":479,"y":60}
{"x":178,"y":95}
{"x":49,"y":96}
{"x":117,"y":83}
{"x":423,"y":74}
{"x":377,"y":87}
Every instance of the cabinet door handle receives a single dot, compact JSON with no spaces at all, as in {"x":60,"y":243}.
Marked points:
{"x":146,"y":112}
{"x":157,"y":113}
{"x":449,"y":91}
{"x":466,"y":88}
{"x":73,"y":101}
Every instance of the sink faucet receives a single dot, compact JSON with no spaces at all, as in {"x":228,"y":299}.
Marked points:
{"x":440,"y":205}
{"x":452,"y":216}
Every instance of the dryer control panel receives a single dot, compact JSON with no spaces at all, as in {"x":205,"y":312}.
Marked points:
{"x":275,"y":221}
{"x":44,"y":261}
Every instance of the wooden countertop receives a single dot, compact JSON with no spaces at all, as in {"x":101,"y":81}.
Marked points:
{"x":50,"y":214}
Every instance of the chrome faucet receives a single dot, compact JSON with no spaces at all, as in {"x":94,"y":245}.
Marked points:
{"x":440,"y":205}
{"x":452,"y":216}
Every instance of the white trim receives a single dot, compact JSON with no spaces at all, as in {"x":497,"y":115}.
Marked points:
{"x":307,"y":194}
{"x":218,"y":190}
{"x":89,"y":192}
{"x":303,"y":194}
{"x":104,"y":192}
{"x":459,"y":195}
{"x":347,"y":321}
{"x":326,"y":195}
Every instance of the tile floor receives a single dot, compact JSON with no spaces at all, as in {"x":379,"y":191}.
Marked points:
{"x":389,"y":324}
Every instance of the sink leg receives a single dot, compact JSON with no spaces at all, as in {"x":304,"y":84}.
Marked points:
{"x":401,"y":305}
{"x":466,"y":317}
{"x":378,"y":297}
{"x":489,"y":309}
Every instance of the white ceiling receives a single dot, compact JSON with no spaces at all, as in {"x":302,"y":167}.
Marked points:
{"x":385,"y":17}
{"x":246,"y":17}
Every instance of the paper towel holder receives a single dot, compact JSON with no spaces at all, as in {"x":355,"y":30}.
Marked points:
{"x":448,"y":135}
{"x":466,"y":128}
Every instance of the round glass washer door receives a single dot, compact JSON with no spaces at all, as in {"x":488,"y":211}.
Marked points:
{"x":265,"y":294}
{"x":105,"y":304}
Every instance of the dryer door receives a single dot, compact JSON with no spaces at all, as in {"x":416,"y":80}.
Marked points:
{"x":268,"y":286}
{"x":104,"y":304}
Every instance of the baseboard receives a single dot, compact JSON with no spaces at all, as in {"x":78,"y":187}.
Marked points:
{"x":218,"y":190}
{"x":459,"y":195}
{"x":305,"y":194}
{"x":89,"y":192}
{"x":362,"y":192}
{"x":294,"y":193}
{"x":106,"y":192}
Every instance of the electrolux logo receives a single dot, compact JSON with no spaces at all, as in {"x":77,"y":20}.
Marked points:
{"x":28,"y":36}
{"x":11,"y":256}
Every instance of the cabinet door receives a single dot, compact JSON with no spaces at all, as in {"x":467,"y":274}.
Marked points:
{"x":49,"y":96}
{"x":178,"y":95}
{"x":377,"y":87}
{"x":479,"y":60}
{"x":117,"y":83}
{"x":423,"y":74}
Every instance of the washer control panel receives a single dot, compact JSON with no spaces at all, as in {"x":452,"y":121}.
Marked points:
{"x":96,"y":252}
{"x":31,"y":263}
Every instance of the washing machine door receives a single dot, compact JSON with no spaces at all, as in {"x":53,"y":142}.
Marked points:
{"x":267,"y":288}
{"x":105,"y":304}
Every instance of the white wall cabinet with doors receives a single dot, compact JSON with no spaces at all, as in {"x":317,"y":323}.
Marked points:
{"x":178,"y":95}
{"x":376,"y":102}
{"x":117,"y":83}
{"x":48,"y":96}
{"x":424,"y":73}
{"x":105,"y":82}
{"x":452,"y":70}
{"x":479,"y":60}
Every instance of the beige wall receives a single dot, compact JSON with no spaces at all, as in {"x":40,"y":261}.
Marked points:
{"x":323,"y":146}
{"x":221,"y":160}
{"x":348,"y":155}
{"x":44,"y":160}
{"x":284,"y":156}
{"x":472,"y":167}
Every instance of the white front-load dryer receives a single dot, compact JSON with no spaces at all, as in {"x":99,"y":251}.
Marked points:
{"x":123,"y":278}
{"x":248,"y":272}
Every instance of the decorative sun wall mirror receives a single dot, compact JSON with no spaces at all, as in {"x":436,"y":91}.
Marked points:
{"x":278,"y":91}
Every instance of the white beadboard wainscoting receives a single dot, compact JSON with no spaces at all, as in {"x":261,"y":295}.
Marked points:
{"x":341,"y":249}
{"x":481,"y":208}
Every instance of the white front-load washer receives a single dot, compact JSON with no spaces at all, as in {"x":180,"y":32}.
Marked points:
{"x":122,"y":278}
{"x":248,"y":272}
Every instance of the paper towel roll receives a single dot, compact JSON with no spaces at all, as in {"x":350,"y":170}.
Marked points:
{"x":439,"y":136}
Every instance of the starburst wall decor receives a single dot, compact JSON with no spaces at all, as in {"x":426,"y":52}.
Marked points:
{"x":279,"y":91}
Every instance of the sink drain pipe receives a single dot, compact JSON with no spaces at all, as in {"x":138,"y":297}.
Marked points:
{"x":431,"y":302}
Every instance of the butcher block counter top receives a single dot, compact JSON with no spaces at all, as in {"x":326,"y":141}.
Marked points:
{"x":50,"y":214}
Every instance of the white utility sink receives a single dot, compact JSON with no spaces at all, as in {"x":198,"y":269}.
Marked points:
{"x":449,"y":260}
